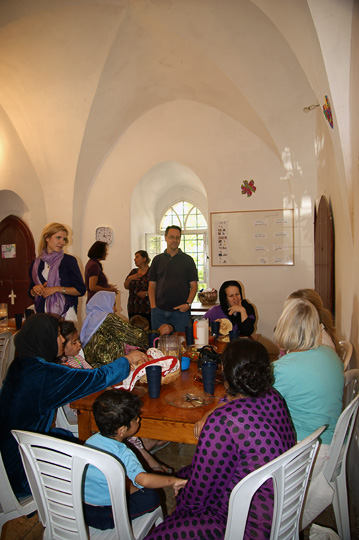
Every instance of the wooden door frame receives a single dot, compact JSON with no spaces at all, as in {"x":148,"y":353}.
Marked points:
{"x":324,"y":253}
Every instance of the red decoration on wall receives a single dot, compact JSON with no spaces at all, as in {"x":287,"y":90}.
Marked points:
{"x":248,"y":188}
{"x":328,"y":112}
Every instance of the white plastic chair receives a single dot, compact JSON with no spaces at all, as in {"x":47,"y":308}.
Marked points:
{"x":289,"y":473}
{"x":346,"y":353}
{"x":63,"y":422}
{"x":334,"y":469}
{"x":351,"y":385}
{"x":5,"y":338}
{"x":55,"y":471}
{"x":10,"y":506}
{"x":329,"y":486}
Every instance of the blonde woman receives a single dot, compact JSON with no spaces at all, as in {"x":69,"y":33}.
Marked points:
{"x":309,"y":376}
{"x":55,"y":278}
{"x":310,"y":379}
{"x":326,"y":320}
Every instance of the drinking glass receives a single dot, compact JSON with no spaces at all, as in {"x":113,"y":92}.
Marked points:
{"x":154,"y":374}
{"x":209,"y":370}
{"x":3,"y":315}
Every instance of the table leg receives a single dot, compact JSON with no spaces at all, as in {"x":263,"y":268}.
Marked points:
{"x":84,"y":424}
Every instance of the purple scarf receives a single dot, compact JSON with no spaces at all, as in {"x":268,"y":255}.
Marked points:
{"x":56,"y":302}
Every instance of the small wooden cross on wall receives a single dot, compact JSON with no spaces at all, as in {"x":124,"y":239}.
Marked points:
{"x":12,"y":296}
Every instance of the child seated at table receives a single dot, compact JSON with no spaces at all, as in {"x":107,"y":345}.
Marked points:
{"x":73,"y":356}
{"x":117,"y":414}
{"x":140,"y":322}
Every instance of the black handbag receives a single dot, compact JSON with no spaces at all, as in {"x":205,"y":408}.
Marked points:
{"x":208,"y":354}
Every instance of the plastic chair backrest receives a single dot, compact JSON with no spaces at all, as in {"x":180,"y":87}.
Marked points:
{"x":289,"y":472}
{"x":55,"y":470}
{"x":351,"y":385}
{"x":10,"y":506}
{"x":62,"y":422}
{"x":4,"y":353}
{"x":340,"y":442}
{"x":334,"y":469}
{"x":346,"y":353}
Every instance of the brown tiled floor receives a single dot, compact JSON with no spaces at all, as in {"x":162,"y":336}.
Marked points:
{"x":175,"y":455}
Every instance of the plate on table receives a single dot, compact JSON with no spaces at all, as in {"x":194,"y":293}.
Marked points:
{"x":189,"y":400}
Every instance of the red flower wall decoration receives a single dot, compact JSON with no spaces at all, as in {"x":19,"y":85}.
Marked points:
{"x":248,"y":188}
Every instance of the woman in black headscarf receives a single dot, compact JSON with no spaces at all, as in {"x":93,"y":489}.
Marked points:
{"x":36,"y":385}
{"x":233,"y":307}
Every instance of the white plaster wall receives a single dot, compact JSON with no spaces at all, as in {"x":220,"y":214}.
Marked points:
{"x":225,"y":157}
{"x":163,"y":185}
{"x":97,"y":100}
{"x":333,"y":22}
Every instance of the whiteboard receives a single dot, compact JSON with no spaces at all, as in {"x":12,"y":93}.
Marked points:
{"x":252,"y":238}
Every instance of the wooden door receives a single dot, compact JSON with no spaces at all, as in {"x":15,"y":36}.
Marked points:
{"x":17,"y":253}
{"x":324,"y":254}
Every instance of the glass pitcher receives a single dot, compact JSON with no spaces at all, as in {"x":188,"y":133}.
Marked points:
{"x":170,"y":345}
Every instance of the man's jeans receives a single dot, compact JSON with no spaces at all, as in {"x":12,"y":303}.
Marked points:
{"x":177,"y":319}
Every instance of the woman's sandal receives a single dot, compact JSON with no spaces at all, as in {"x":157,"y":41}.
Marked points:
{"x":159,"y":447}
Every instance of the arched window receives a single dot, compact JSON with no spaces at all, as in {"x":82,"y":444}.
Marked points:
{"x":193,"y":238}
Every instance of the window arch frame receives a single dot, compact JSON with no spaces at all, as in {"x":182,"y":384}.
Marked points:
{"x":200,"y":234}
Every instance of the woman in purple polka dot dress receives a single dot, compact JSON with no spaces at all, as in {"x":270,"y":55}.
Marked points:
{"x":249,"y":428}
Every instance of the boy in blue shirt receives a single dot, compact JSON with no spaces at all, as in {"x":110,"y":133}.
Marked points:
{"x":117,"y":415}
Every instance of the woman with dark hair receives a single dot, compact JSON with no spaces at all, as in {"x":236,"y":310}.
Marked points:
{"x":233,"y":307}
{"x":137,"y":285}
{"x":250,"y":427}
{"x":55,"y":278}
{"x":36,"y":385}
{"x":95,"y":279}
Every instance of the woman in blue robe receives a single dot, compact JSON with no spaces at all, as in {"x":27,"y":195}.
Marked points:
{"x":36,"y":385}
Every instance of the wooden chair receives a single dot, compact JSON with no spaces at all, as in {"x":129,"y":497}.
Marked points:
{"x":55,"y":470}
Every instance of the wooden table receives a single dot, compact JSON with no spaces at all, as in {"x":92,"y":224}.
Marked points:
{"x":159,"y":420}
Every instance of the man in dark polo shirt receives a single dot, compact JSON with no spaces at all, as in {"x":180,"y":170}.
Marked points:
{"x":173,"y":284}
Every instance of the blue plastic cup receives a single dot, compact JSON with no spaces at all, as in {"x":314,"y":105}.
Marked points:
{"x":209,"y":370}
{"x":189,"y":335}
{"x":28,"y":312}
{"x":154,"y":374}
{"x":18,"y":320}
{"x":215,"y":327}
{"x":151,"y":337}
{"x":233,"y":334}
{"x":185,"y":363}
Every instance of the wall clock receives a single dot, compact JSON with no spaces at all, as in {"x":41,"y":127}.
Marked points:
{"x":104,"y":234}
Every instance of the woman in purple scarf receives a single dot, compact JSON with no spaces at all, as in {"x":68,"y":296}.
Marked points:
{"x":55,"y":278}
